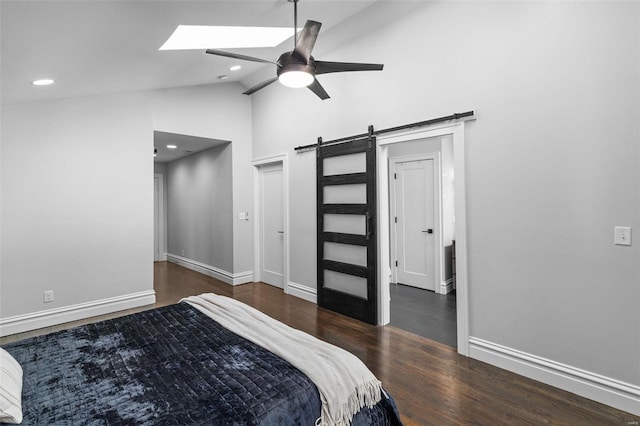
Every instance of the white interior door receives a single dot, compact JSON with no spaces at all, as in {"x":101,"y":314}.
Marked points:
{"x":271,"y":224}
{"x":415,"y":223}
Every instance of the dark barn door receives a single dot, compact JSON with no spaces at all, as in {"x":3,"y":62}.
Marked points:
{"x":346,"y":228}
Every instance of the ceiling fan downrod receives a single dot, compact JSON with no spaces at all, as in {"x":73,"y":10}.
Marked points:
{"x":295,"y":22}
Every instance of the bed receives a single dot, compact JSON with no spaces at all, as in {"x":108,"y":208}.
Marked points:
{"x":178,"y":365}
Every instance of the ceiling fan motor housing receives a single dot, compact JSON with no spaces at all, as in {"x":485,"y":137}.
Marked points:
{"x":289,"y":61}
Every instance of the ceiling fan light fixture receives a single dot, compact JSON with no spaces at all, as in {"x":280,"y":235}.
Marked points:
{"x":298,"y":68}
{"x":295,"y":79}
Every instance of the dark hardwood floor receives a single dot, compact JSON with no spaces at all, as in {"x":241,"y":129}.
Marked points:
{"x":424,"y":313}
{"x":430,"y":382}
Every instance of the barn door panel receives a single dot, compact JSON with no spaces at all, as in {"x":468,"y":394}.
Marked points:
{"x":346,"y":229}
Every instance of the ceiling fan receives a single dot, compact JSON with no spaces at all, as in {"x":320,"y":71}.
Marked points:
{"x":298,"y":68}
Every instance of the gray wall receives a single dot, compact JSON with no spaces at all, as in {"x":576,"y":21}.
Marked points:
{"x":73,"y":223}
{"x":552,"y":160}
{"x":160,"y":168}
{"x":199,"y":207}
{"x":217,"y":111}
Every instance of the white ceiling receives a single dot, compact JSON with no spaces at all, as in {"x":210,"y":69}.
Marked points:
{"x":94,"y":47}
{"x":186,"y":145}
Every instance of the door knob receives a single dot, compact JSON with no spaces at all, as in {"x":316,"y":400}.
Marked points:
{"x":280,"y":232}
{"x":429,"y":231}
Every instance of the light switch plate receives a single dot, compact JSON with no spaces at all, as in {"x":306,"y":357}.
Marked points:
{"x":622,"y":235}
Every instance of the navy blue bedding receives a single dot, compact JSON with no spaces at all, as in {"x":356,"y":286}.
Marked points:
{"x":166,"y":366}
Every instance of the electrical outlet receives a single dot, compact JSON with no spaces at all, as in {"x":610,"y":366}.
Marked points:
{"x":182,"y":252}
{"x":48,"y":296}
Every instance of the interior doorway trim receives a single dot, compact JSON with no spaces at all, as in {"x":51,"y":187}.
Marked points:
{"x":274,"y":159}
{"x":161,"y":255}
{"x":456,"y":130}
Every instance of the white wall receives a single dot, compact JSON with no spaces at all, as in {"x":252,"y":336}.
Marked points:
{"x":217,"y":111}
{"x":71,"y":221}
{"x":448,"y":205}
{"x":74,"y":223}
{"x":160,"y":168}
{"x":200,"y":214}
{"x":552,"y":161}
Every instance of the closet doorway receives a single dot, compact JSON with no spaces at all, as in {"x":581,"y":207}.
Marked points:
{"x":422,"y":232}
{"x":439,"y":313}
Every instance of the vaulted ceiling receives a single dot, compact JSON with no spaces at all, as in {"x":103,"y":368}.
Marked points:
{"x":94,"y":47}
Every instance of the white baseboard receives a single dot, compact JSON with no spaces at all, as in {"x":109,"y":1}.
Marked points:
{"x":446,"y":287}
{"x":212,"y":271}
{"x":612,"y":392}
{"x":35,"y":320}
{"x":303,"y":292}
{"x":161,"y":258}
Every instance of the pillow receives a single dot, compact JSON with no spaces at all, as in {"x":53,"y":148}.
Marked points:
{"x":10,"y":389}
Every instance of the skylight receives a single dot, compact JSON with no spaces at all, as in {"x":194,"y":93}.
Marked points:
{"x":42,"y":82}
{"x":214,"y":37}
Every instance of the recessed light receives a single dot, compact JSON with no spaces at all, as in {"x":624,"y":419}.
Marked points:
{"x":171,"y":146}
{"x":235,"y":67}
{"x":223,"y":77}
{"x":42,"y":82}
{"x":214,"y":37}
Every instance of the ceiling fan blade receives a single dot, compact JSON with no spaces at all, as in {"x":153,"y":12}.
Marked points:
{"x":317,"y":88}
{"x":323,"y":67}
{"x":238,"y":56}
{"x":307,"y":39}
{"x":259,"y":86}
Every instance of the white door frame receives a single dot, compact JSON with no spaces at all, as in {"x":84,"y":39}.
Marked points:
{"x":437,"y":204}
{"x":281,"y":158}
{"x":162,"y":255}
{"x":456,"y":130}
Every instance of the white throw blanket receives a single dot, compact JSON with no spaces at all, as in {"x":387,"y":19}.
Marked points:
{"x":345,"y":384}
